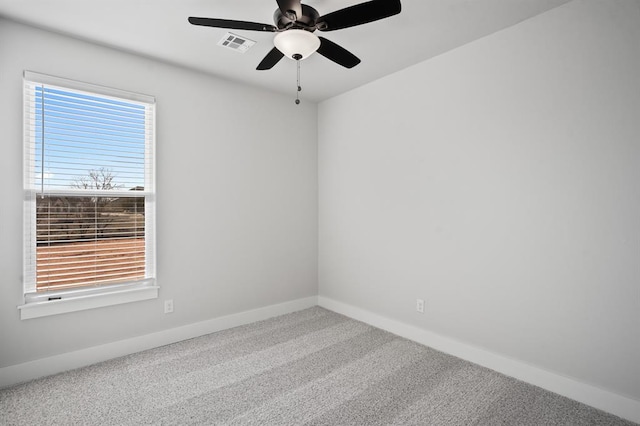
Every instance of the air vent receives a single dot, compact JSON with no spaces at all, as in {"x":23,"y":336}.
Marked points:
{"x":235,"y":42}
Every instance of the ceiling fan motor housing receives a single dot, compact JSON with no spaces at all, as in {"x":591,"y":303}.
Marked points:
{"x":305,"y":22}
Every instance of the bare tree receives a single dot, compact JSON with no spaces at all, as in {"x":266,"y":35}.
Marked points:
{"x":101,"y":179}
{"x":92,"y":213}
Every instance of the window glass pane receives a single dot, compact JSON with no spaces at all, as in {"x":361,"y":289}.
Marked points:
{"x":77,"y":134}
{"x":89,"y":241}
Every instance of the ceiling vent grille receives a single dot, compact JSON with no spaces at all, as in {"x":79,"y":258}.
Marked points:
{"x":236,"y":42}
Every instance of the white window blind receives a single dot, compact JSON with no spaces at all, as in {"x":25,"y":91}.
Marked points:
{"x":89,"y":186}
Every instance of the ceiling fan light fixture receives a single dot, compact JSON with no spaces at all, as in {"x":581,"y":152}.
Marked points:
{"x":296,"y":44}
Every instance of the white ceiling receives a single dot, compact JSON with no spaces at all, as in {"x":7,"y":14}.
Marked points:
{"x":159,"y":29}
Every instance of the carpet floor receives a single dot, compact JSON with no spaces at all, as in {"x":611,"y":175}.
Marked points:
{"x":312,"y":367}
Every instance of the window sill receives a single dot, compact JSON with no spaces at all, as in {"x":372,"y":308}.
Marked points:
{"x":72,"y":302}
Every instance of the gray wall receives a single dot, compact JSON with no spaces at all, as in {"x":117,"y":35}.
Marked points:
{"x":500,"y":183}
{"x":236,"y":203}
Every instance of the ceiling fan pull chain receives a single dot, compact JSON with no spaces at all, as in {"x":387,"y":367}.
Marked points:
{"x":298,"y":81}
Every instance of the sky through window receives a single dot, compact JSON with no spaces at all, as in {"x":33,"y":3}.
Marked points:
{"x":84,"y":133}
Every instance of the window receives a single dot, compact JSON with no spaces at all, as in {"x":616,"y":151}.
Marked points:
{"x":89,"y":196}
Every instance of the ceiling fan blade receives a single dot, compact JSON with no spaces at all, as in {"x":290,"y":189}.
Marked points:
{"x":289,"y":7}
{"x":358,"y":14}
{"x":231,"y":24}
{"x":337,"y":54}
{"x":272,"y":58}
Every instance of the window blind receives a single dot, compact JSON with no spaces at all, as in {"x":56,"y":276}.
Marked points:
{"x":89,"y":184}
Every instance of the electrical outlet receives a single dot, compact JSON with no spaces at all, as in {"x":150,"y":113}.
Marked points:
{"x":420,"y":306}
{"x":168,"y":306}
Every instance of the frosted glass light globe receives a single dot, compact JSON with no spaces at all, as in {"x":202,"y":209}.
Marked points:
{"x":296,"y":42}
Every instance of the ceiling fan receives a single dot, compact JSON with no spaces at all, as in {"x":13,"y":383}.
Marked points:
{"x":295,"y":24}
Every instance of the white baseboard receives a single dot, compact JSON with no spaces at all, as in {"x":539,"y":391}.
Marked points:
{"x":20,"y":373}
{"x":602,"y":399}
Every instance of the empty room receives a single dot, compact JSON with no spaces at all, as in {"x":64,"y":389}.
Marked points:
{"x":387,"y":212}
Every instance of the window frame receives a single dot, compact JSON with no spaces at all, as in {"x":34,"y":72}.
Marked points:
{"x":44,"y":303}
